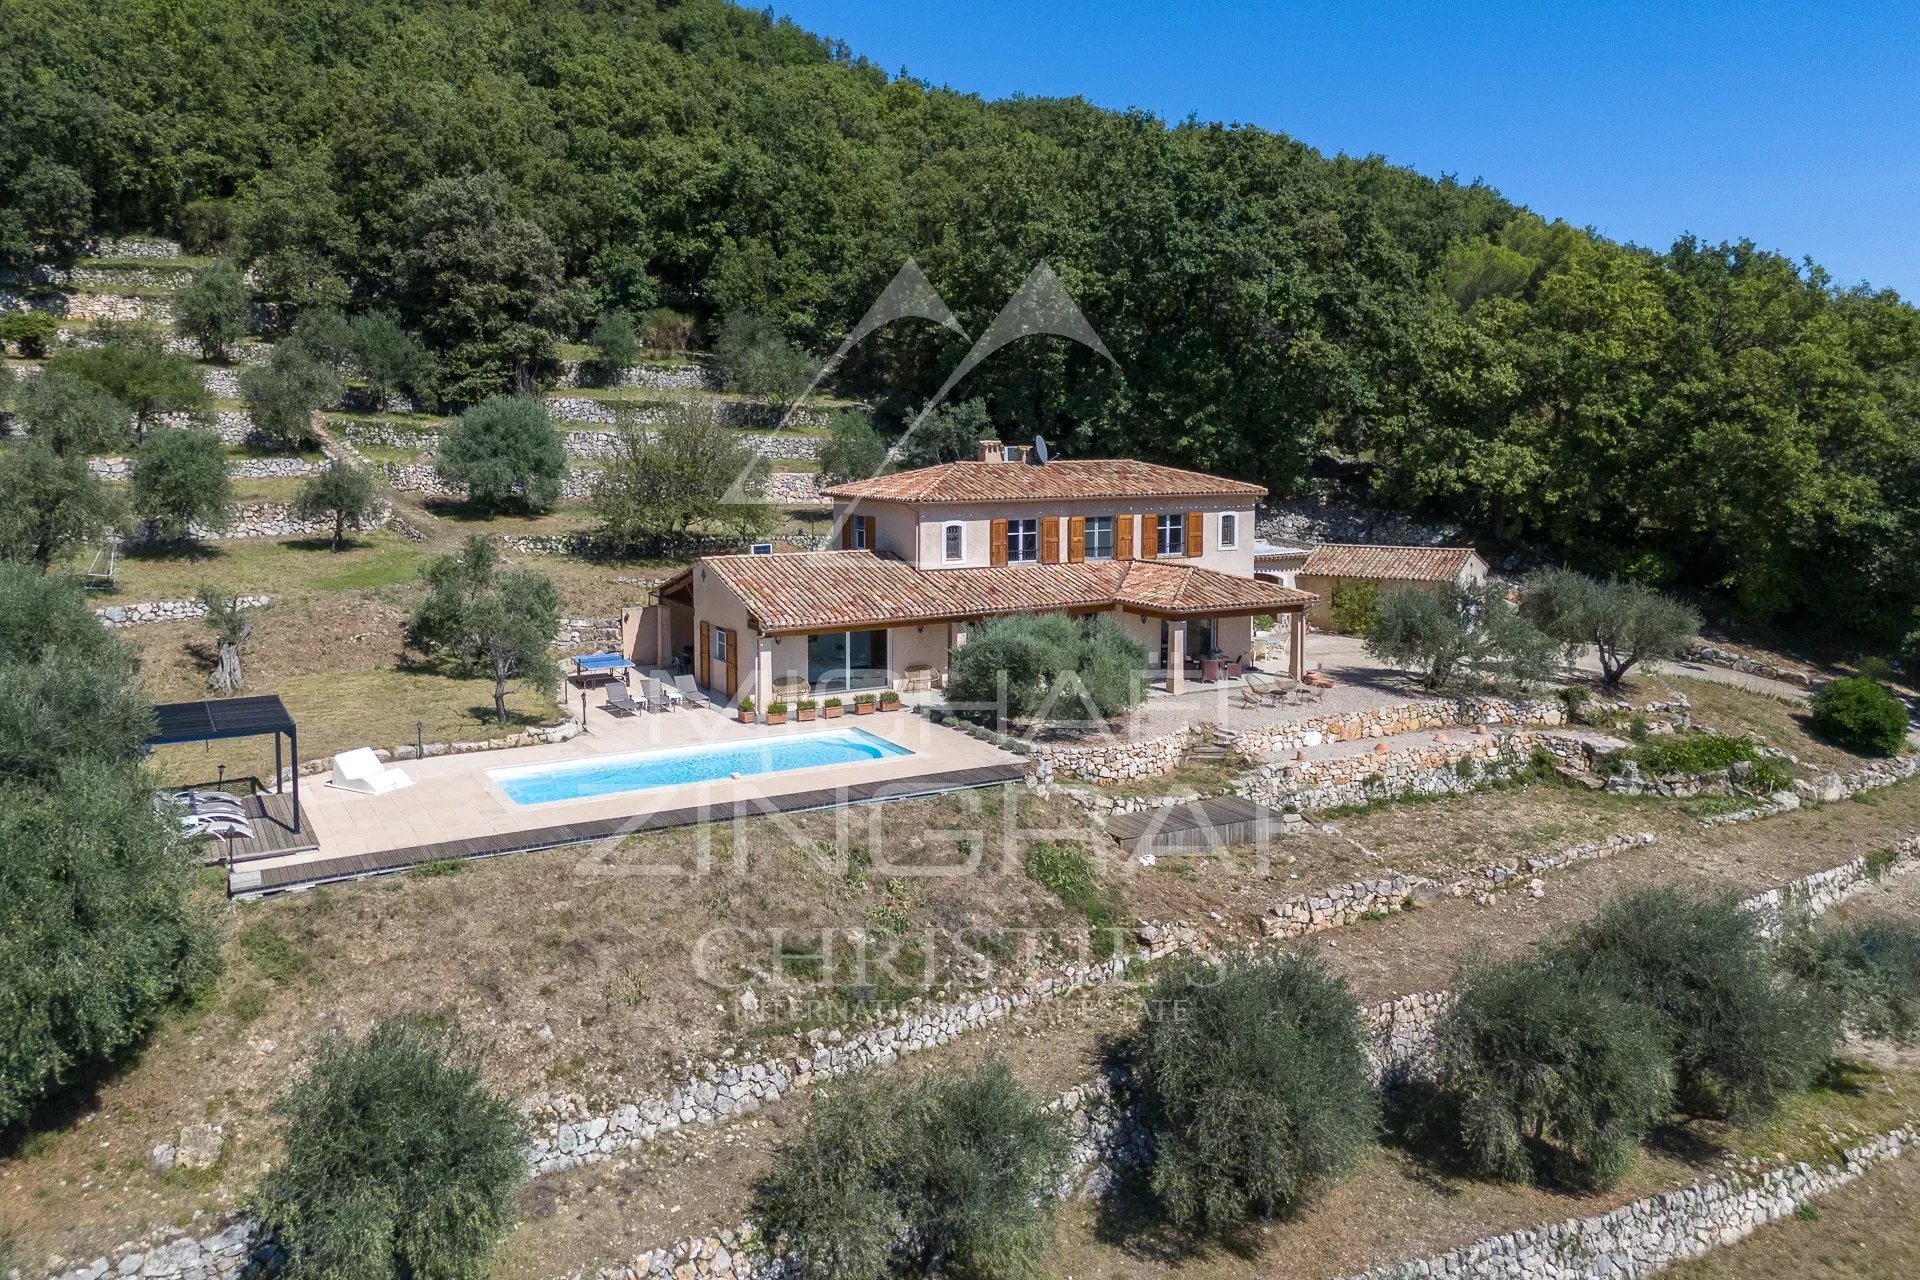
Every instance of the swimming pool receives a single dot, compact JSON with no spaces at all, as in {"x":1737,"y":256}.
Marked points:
{"x":673,"y":766}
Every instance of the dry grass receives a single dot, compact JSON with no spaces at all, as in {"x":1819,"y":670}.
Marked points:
{"x":1731,"y":709}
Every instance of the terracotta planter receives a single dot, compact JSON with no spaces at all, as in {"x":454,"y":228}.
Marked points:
{"x":746,"y":717}
{"x":833,"y":713}
{"x":863,"y":708}
{"x":779,"y":719}
{"x":890,"y":706}
{"x":804,"y":714}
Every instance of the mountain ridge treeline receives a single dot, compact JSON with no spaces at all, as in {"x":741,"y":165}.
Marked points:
{"x":501,"y":173}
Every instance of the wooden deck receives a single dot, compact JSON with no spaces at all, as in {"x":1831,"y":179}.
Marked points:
{"x":273,"y":832}
{"x":243,"y":882}
{"x":1203,"y":824}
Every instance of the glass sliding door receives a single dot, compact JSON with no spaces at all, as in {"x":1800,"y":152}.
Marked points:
{"x":847,"y":661}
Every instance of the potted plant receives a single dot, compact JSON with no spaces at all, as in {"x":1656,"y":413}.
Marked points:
{"x":889,"y":700}
{"x":803,"y":710}
{"x":832,"y":709}
{"x":746,"y":710}
{"x":776,"y":713}
{"x":863,"y":704}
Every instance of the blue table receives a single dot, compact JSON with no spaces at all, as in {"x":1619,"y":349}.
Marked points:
{"x":608,"y":665}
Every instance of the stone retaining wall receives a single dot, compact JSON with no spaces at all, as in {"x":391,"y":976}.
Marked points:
{"x":1424,"y":714}
{"x":116,"y":468}
{"x":150,"y":611}
{"x":274,"y":520}
{"x":733,"y":413}
{"x":1114,"y":761}
{"x":1346,"y":904}
{"x":1649,"y":1234}
{"x":688,"y":376}
{"x":1716,"y":657}
{"x":1826,"y":789}
{"x":1434,"y":769}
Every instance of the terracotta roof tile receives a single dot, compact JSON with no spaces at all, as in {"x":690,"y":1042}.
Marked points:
{"x":1400,"y":564}
{"x":824,"y":589}
{"x":1024,"y":482}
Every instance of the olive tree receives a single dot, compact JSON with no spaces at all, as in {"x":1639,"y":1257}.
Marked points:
{"x":50,"y":503}
{"x":683,"y":474}
{"x":952,"y":1174}
{"x":506,"y":454}
{"x":1258,"y":1096}
{"x":341,"y":493}
{"x":283,"y":394}
{"x":211,"y":308}
{"x":490,"y":623}
{"x":398,"y":1163}
{"x":1047,"y":667}
{"x":1622,"y":622}
{"x":1448,"y":632}
{"x":180,"y":482}
{"x":72,"y":415}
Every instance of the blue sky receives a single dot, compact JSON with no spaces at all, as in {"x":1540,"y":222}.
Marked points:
{"x":1797,"y":126}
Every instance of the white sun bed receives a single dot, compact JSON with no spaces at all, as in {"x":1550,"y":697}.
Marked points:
{"x":360,"y":771}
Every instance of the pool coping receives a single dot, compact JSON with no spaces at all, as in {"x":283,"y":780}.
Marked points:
{"x":255,"y":883}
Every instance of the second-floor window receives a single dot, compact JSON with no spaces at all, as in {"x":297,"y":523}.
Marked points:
{"x":1023,"y":540}
{"x":955,"y":542}
{"x":1172,"y":535}
{"x":1099,"y":544}
{"x":1229,"y":529}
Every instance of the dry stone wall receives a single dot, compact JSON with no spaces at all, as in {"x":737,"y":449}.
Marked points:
{"x":1420,"y":715}
{"x":151,"y":611}
{"x":1648,"y":1235}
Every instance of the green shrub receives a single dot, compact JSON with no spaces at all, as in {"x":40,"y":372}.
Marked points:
{"x":180,"y":481}
{"x":1355,"y":606}
{"x":1047,"y":666}
{"x":1543,"y":1073}
{"x":952,"y":1174}
{"x":1861,"y":716}
{"x":1740,"y":1030}
{"x":1693,"y":753}
{"x":1257,"y":1092}
{"x":398,"y":1162}
{"x":1065,"y":870}
{"x":1874,"y":971}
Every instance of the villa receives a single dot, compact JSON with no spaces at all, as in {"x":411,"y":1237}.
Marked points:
{"x":923,"y":555}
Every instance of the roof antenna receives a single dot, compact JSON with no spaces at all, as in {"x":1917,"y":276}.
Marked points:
{"x":1039,"y":454}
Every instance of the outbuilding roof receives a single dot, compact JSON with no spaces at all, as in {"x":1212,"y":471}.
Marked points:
{"x":1050,"y":482}
{"x":829,"y":590}
{"x":1396,"y":564}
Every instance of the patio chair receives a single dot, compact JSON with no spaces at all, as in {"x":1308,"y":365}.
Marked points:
{"x":212,"y":803}
{"x":1260,"y":691}
{"x":209,"y":826}
{"x":620,"y":701}
{"x":361,"y":772}
{"x":690,"y":691}
{"x":659,"y":698}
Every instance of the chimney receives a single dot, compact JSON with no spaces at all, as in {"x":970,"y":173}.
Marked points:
{"x":991,"y":451}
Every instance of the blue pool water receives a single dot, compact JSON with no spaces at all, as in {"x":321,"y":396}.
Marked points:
{"x":643,"y":770}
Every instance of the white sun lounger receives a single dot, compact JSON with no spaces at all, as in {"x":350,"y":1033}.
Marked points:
{"x":360,"y":771}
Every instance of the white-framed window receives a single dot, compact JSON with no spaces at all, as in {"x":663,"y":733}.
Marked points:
{"x":859,"y":533}
{"x":720,"y":635}
{"x":1023,"y":540}
{"x":1171,"y":535}
{"x":1099,"y":538}
{"x":1229,"y":529}
{"x":954,"y":542}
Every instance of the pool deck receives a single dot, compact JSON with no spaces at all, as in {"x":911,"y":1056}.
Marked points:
{"x":454,"y":809}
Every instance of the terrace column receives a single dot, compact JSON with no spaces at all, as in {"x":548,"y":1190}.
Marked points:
{"x":763,"y":673}
{"x":1176,"y":657}
{"x":1297,"y":644}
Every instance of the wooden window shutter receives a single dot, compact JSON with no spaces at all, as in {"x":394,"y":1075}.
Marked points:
{"x":997,"y":538}
{"x":1076,"y":539}
{"x":733,"y":663}
{"x":1149,"y":537}
{"x":872,"y":529}
{"x":1050,"y":540}
{"x":1196,"y":534}
{"x":703,"y":660}
{"x":846,"y":532}
{"x":1123,"y":537}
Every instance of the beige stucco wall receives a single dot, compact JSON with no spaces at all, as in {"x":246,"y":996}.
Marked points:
{"x":925,"y":546}
{"x":715,"y":604}
{"x":640,"y":631}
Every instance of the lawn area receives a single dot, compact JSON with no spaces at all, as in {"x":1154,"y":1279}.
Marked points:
{"x":280,"y":567}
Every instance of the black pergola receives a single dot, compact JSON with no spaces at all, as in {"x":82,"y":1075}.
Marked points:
{"x":232,"y":718}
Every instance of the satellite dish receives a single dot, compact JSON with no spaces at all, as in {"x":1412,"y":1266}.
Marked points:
{"x":1040,"y":450}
